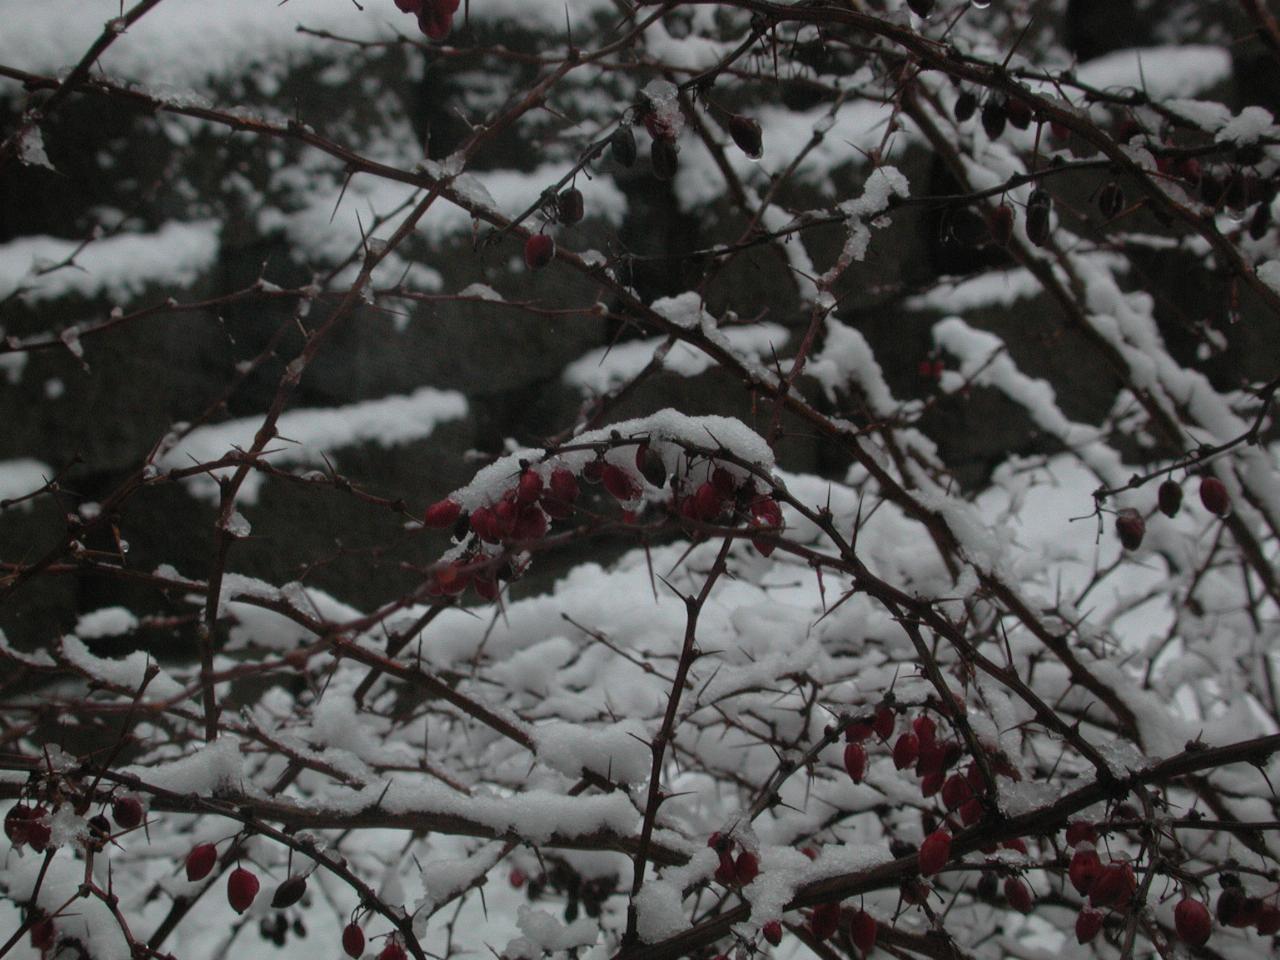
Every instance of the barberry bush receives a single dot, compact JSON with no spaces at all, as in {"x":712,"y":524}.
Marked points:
{"x":818,"y":492}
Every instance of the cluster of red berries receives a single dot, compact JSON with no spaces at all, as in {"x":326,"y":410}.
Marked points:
{"x":524,"y":511}
{"x":1236,"y":908}
{"x":1131,"y":527}
{"x":28,"y":826}
{"x":435,"y":17}
{"x":733,"y":871}
{"x":1108,"y":886}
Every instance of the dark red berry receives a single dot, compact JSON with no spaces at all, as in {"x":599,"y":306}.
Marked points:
{"x":127,"y":812}
{"x":1192,"y":921}
{"x":993,"y":117}
{"x":43,"y":934}
{"x":747,"y":135}
{"x":201,"y":861}
{"x":862,"y":931}
{"x":1088,"y":923}
{"x":966,"y":106}
{"x":1268,"y":922}
{"x":930,"y":784}
{"x":622,"y":144}
{"x":1214,"y":496}
{"x":855,"y":761}
{"x":772,"y":931}
{"x":353,"y":940}
{"x":242,"y":888}
{"x":1084,"y":869}
{"x":409,"y":6}
{"x":926,"y":730}
{"x":529,"y":487}
{"x":1019,"y":113}
{"x":1169,"y":497}
{"x":1018,"y":894}
{"x":1113,"y":886}
{"x":539,"y":250}
{"x":906,"y":750}
{"x":1000,"y":224}
{"x":664,"y":156}
{"x":289,"y":892}
{"x":935,"y":851}
{"x":824,"y":921}
{"x":1038,"y":207}
{"x":746,"y":868}
{"x":393,"y":951}
{"x":921,"y":8}
{"x":619,"y":483}
{"x":1081,"y":831}
{"x":1131,"y":528}
{"x":570,"y":206}
{"x":884,"y":722}
{"x":955,"y":791}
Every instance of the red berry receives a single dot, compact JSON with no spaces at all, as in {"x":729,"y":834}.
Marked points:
{"x":434,"y":21}
{"x":619,"y":483}
{"x":747,"y":868}
{"x":505,"y":516}
{"x":127,"y":812}
{"x":530,"y":486}
{"x":855,"y":761}
{"x":1088,"y":923}
{"x":531,"y":523}
{"x":569,"y":206}
{"x":1018,"y":894}
{"x":724,"y":482}
{"x":885,"y":721}
{"x":1080,"y":831}
{"x":766,"y":512}
{"x":930,"y":784}
{"x":809,"y":852}
{"x":926,"y":730}
{"x":706,"y":502}
{"x":516,"y":878}
{"x":539,"y":250}
{"x":201,"y":860}
{"x":353,"y":940}
{"x":1084,"y":870}
{"x":955,"y":791}
{"x":935,"y":852}
{"x":1214,"y":496}
{"x":486,"y":587}
{"x":824,"y":921}
{"x":564,"y":485}
{"x":862,"y":931}
{"x":1113,"y":886}
{"x":971,"y":812}
{"x":906,"y":750}
{"x":1131,"y":528}
{"x":442,"y":514}
{"x":393,"y":951}
{"x":772,"y":931}
{"x":1268,"y":922}
{"x":1192,"y":921}
{"x":242,"y":887}
{"x":1000,"y":223}
{"x":930,"y":759}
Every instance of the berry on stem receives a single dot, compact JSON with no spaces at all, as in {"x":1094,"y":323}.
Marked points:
{"x":772,"y":932}
{"x":539,"y":250}
{"x":201,"y":860}
{"x":1192,"y":921}
{"x":127,"y":812}
{"x":353,"y":940}
{"x":855,"y":761}
{"x":242,"y":888}
{"x":935,"y":852}
{"x":1214,"y":496}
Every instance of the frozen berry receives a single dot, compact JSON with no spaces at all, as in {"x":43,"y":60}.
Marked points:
{"x":747,"y":867}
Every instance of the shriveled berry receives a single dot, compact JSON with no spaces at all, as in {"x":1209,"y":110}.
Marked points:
{"x":906,"y":750}
{"x":127,"y":812}
{"x":855,"y":761}
{"x":862,"y":931}
{"x":1214,"y":496}
{"x":772,"y":932}
{"x":442,"y":514}
{"x":201,"y":861}
{"x":1169,"y":497}
{"x":935,"y":851}
{"x":1131,"y":528}
{"x":1192,"y":921}
{"x":353,"y":940}
{"x":1018,"y":894}
{"x":289,"y":892}
{"x":242,"y":888}
{"x":570,"y":206}
{"x":539,"y":250}
{"x":1088,"y":923}
{"x":747,"y":135}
